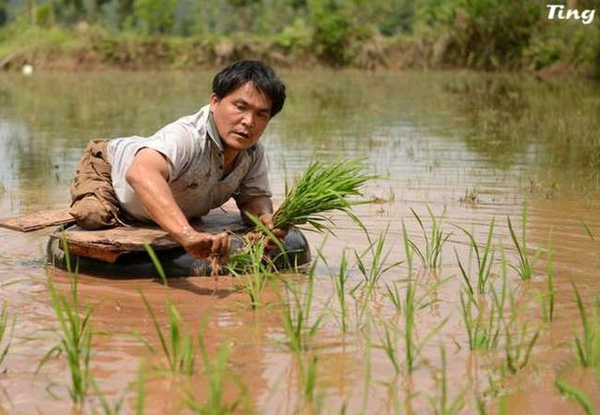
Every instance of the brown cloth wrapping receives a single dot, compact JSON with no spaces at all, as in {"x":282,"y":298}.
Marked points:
{"x":94,"y":204}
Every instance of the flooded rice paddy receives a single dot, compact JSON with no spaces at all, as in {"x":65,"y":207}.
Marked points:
{"x":411,"y":319}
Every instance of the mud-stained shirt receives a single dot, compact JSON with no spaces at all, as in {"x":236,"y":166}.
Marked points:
{"x":194,"y":151}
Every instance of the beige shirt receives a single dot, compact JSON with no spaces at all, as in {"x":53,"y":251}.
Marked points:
{"x":195,"y":154}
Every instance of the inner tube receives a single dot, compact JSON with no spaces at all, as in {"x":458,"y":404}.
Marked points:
{"x":175,"y":262}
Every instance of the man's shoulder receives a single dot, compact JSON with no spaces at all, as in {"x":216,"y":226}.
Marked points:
{"x":197,"y":120}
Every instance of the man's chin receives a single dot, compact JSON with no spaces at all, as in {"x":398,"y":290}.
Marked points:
{"x":238,"y":144}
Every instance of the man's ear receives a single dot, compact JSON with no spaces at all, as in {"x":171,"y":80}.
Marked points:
{"x":214,"y":100}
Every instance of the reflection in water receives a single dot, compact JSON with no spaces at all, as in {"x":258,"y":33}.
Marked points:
{"x":473,"y":146}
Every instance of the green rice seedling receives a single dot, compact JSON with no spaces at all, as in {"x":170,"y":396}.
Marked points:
{"x":373,"y":272}
{"x":140,"y":386}
{"x":215,"y":372}
{"x":156,"y":263}
{"x":389,"y":344}
{"x":4,"y":325}
{"x":297,"y":313}
{"x":108,"y":408}
{"x":431,"y":255}
{"x":307,"y":379}
{"x":75,"y":339}
{"x":587,"y":350}
{"x":412,"y":346}
{"x":575,"y":394}
{"x":587,"y":230}
{"x":484,"y":260}
{"x":340,"y":279}
{"x":547,"y":299}
{"x":408,"y":249}
{"x":526,"y":264}
{"x":518,"y":348}
{"x":177,"y":348}
{"x":441,"y":404}
{"x":254,"y":269}
{"x":319,"y":190}
{"x":368,"y":374}
{"x":483,"y":331}
{"x":75,"y":334}
{"x":393,"y":293}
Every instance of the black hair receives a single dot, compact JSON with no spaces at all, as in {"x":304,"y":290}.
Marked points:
{"x":262,"y":76}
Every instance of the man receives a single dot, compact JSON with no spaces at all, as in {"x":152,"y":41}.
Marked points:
{"x":189,"y":166}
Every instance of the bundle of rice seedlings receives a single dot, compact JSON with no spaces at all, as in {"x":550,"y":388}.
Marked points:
{"x":321,"y":190}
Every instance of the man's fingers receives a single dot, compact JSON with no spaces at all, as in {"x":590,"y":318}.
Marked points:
{"x":220,"y":244}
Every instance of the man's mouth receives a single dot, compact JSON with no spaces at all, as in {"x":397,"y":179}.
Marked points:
{"x":241,"y":134}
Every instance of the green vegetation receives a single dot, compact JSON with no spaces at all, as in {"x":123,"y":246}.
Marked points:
{"x":577,"y":395}
{"x":75,"y":339}
{"x":484,"y":261}
{"x":480,"y":34}
{"x":587,"y":350}
{"x":215,"y":373}
{"x":4,"y":325}
{"x":321,"y":189}
{"x":431,"y":254}
{"x":177,"y":348}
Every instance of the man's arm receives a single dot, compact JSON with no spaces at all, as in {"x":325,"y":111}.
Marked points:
{"x":148,"y":176}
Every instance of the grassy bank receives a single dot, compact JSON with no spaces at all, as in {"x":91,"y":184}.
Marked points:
{"x":92,"y":47}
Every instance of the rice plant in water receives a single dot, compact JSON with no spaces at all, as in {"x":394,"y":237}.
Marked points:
{"x":340,"y":279}
{"x":177,"y":348}
{"x":575,"y":394}
{"x":441,"y":403}
{"x":297,"y":314}
{"x":215,"y":372}
{"x":518,"y":347}
{"x":413,"y":346}
{"x":4,"y":325}
{"x":527,"y":263}
{"x":378,"y":265}
{"x":322,"y":189}
{"x":75,"y":334}
{"x":587,"y":349}
{"x":547,"y":298}
{"x":389,"y":344}
{"x":483,"y":330}
{"x":312,"y":398}
{"x":431,"y":254}
{"x":108,"y":408}
{"x":483,"y":260}
{"x":254,"y":268}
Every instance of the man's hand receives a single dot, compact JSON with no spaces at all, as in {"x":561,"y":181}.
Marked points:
{"x":202,"y":245}
{"x":267,"y":220}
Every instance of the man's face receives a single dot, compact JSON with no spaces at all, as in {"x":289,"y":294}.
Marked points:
{"x":241,"y":116}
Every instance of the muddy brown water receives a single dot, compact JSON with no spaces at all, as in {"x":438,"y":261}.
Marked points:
{"x":473,"y":148}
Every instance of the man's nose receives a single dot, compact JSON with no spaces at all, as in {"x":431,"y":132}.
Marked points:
{"x":248,"y":119}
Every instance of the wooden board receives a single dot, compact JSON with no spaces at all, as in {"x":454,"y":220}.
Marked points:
{"x":38,"y":220}
{"x":108,"y":244}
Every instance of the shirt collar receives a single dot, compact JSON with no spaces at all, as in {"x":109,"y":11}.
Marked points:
{"x":211,"y":129}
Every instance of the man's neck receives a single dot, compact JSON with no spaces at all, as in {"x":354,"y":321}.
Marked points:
{"x":229,"y":156}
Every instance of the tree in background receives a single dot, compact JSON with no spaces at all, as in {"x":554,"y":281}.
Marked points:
{"x":155,"y":16}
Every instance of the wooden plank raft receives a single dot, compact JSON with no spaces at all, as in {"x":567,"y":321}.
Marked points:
{"x":109,"y":244}
{"x":38,"y":220}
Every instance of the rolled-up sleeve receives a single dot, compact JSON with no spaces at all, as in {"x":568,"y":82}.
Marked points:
{"x":256,"y":181}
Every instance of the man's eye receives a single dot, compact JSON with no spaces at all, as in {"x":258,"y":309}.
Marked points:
{"x":239,"y":107}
